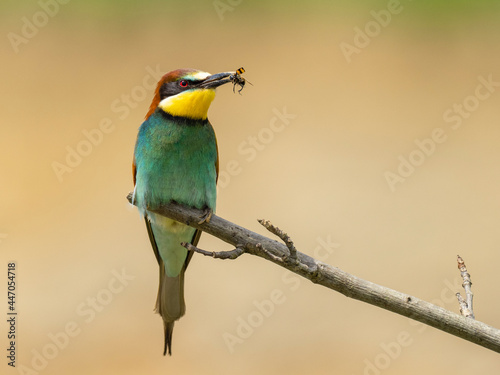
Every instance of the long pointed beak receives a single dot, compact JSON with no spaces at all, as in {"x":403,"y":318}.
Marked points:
{"x":216,"y":80}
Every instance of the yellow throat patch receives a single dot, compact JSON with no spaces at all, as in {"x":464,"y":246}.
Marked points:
{"x":190,"y":103}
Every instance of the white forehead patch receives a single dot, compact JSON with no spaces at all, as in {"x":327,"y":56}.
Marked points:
{"x":200,"y":75}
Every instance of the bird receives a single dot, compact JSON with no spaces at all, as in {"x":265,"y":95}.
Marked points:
{"x":176,"y":160}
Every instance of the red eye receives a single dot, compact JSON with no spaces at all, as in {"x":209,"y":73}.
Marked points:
{"x":183,"y":83}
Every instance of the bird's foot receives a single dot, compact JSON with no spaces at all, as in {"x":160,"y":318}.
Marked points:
{"x":207,"y":215}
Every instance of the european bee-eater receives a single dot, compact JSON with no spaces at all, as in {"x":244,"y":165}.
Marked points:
{"x":176,"y":160}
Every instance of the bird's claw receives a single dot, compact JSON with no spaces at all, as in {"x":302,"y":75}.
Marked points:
{"x":207,"y":215}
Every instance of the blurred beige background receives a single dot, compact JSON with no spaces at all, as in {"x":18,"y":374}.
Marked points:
{"x":322,"y":178}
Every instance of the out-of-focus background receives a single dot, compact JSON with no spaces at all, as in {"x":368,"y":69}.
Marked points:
{"x":370,"y":135}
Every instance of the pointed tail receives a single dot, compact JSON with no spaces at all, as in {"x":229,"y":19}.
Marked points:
{"x":170,"y":303}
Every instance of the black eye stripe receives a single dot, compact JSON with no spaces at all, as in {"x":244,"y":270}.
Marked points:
{"x":173,"y":88}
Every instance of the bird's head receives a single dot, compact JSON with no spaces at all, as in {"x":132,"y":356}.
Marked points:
{"x":187,"y":93}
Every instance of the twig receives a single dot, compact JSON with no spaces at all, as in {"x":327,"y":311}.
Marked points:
{"x":285,"y":237}
{"x":231,"y":254}
{"x":466,"y":308}
{"x":337,"y":279}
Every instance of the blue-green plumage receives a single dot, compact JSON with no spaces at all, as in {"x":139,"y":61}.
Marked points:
{"x":175,"y":161}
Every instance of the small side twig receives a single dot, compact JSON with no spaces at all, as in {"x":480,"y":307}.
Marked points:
{"x":231,"y":254}
{"x":465,"y":304}
{"x":284,"y":237}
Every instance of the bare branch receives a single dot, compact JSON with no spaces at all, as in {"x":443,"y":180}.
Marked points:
{"x":336,"y":279}
{"x":466,"y":308}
